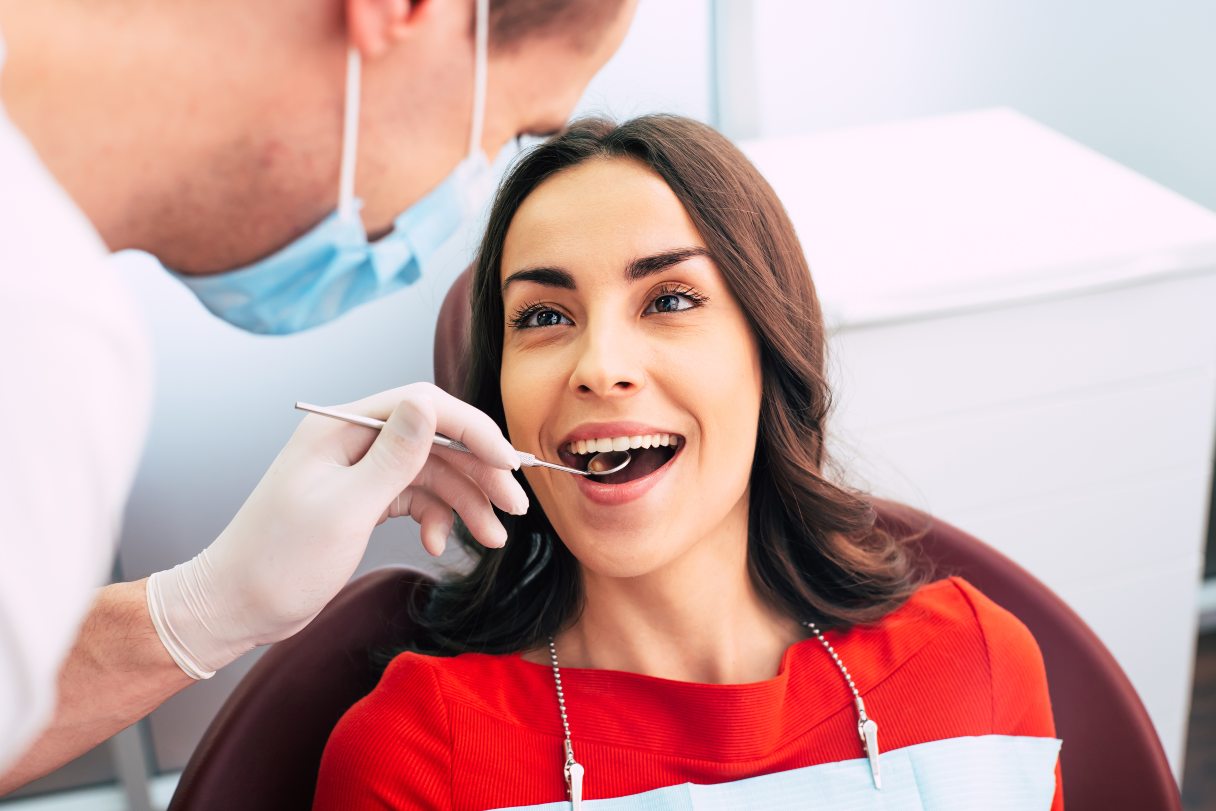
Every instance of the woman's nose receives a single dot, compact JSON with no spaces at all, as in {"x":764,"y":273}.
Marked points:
{"x":608,"y":365}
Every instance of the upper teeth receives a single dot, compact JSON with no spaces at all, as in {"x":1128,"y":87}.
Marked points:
{"x":623,"y":443}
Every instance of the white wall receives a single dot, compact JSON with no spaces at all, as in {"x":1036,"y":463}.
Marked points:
{"x":1131,"y":79}
{"x":663,"y":65}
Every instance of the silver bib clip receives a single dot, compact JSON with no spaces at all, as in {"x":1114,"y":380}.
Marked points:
{"x":867,"y":728}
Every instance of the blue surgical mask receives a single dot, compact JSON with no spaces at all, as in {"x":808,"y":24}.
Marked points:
{"x":334,"y":267}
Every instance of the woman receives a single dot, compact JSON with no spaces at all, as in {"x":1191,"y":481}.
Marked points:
{"x":718,"y":613}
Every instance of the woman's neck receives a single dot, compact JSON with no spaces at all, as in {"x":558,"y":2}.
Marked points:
{"x":698,"y":619}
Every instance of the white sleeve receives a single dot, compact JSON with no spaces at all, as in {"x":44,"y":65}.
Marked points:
{"x":74,"y":397}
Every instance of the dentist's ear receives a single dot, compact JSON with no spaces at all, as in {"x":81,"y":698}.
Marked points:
{"x":374,"y":26}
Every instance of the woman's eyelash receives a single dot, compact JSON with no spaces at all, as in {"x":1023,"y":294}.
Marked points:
{"x":678,"y":289}
{"x":524,"y":313}
{"x":681,"y":295}
{"x":521,"y":314}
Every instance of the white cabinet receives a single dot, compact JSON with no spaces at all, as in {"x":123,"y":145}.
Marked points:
{"x":1024,"y":344}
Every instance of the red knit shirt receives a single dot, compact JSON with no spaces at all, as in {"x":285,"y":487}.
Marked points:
{"x":483,"y":732}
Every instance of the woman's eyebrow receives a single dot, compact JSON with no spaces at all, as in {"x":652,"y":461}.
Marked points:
{"x":649,"y":265}
{"x":637,"y":269}
{"x":550,"y":277}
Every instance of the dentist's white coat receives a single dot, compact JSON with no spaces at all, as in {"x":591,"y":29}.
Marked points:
{"x":75,"y":390}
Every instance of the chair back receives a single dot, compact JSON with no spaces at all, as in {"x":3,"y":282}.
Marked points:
{"x":1111,"y":756}
{"x":263,"y":750}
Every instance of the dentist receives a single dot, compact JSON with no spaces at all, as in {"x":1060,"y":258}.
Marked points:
{"x":217,"y":136}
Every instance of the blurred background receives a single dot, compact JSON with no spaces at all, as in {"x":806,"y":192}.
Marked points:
{"x":1007,"y":206}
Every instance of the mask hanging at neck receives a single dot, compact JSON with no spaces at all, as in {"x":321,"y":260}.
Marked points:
{"x":334,"y":268}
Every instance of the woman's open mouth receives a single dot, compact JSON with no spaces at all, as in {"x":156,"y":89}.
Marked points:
{"x":648,"y":453}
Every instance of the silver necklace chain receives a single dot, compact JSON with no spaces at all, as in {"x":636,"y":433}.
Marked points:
{"x":867,"y":727}
{"x":572,"y":770}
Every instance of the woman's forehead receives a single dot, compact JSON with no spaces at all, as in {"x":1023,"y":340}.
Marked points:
{"x":600,"y":214}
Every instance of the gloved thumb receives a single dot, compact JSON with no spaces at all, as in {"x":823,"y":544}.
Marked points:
{"x":399,"y":452}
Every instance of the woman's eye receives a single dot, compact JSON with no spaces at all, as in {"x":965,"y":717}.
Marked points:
{"x":671,"y":303}
{"x":543,"y":318}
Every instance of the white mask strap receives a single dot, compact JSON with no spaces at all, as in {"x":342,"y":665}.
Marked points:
{"x":350,"y":134}
{"x":350,"y":116}
{"x":481,"y":39}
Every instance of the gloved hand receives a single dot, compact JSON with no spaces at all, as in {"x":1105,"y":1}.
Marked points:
{"x":303,"y":530}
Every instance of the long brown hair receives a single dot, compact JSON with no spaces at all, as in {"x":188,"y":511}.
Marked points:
{"x":814,"y":550}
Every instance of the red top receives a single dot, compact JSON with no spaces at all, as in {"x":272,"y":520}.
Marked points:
{"x":483,"y":732}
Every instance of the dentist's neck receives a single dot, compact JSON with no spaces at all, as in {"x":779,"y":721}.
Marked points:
{"x":699,"y":619}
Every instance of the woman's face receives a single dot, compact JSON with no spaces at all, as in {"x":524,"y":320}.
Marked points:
{"x":620,"y":331}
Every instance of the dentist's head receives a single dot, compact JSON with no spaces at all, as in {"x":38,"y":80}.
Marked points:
{"x":216,"y":135}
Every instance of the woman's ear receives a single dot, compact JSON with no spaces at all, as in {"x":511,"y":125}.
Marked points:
{"x":375,"y":26}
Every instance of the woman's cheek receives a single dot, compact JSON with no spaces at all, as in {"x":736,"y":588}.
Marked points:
{"x":525,"y":395}
{"x":731,"y":389}
{"x":509,"y":383}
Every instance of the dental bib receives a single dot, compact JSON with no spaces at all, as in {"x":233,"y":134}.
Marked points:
{"x":990,"y":772}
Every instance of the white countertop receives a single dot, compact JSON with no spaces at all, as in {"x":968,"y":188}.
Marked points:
{"x":930,"y":216}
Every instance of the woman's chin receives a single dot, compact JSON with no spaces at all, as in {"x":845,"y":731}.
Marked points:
{"x":629,"y":543}
{"x":622,"y":561}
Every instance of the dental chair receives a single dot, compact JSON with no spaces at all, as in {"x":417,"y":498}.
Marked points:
{"x":263,"y":749}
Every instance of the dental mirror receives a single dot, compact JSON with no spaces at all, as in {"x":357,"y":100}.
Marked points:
{"x":599,"y":465}
{"x":608,"y":462}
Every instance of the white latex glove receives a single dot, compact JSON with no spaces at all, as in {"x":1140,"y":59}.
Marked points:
{"x":303,"y":530}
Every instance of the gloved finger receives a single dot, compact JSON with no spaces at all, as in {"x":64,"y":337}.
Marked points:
{"x":398,"y":507}
{"x":455,"y":418}
{"x":434,"y":518}
{"x":397,"y":455}
{"x":501,"y":487}
{"x":463,"y":495}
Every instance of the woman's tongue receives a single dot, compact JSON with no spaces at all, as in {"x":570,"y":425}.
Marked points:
{"x":643,"y":462}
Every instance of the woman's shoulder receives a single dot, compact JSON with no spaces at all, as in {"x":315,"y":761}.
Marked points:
{"x":406,"y":720}
{"x":954,"y":608}
{"x":410,"y":672}
{"x":408,"y":703}
{"x":402,"y":721}
{"x":421,"y":690}
{"x":949,"y":633}
{"x":1006,"y":639}
{"x":492,"y":683}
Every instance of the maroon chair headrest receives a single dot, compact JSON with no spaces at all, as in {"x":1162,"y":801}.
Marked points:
{"x":263,"y":750}
{"x":1111,"y":756}
{"x":452,"y":336}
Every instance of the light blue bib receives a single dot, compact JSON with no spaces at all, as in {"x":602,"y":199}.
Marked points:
{"x":990,"y":772}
